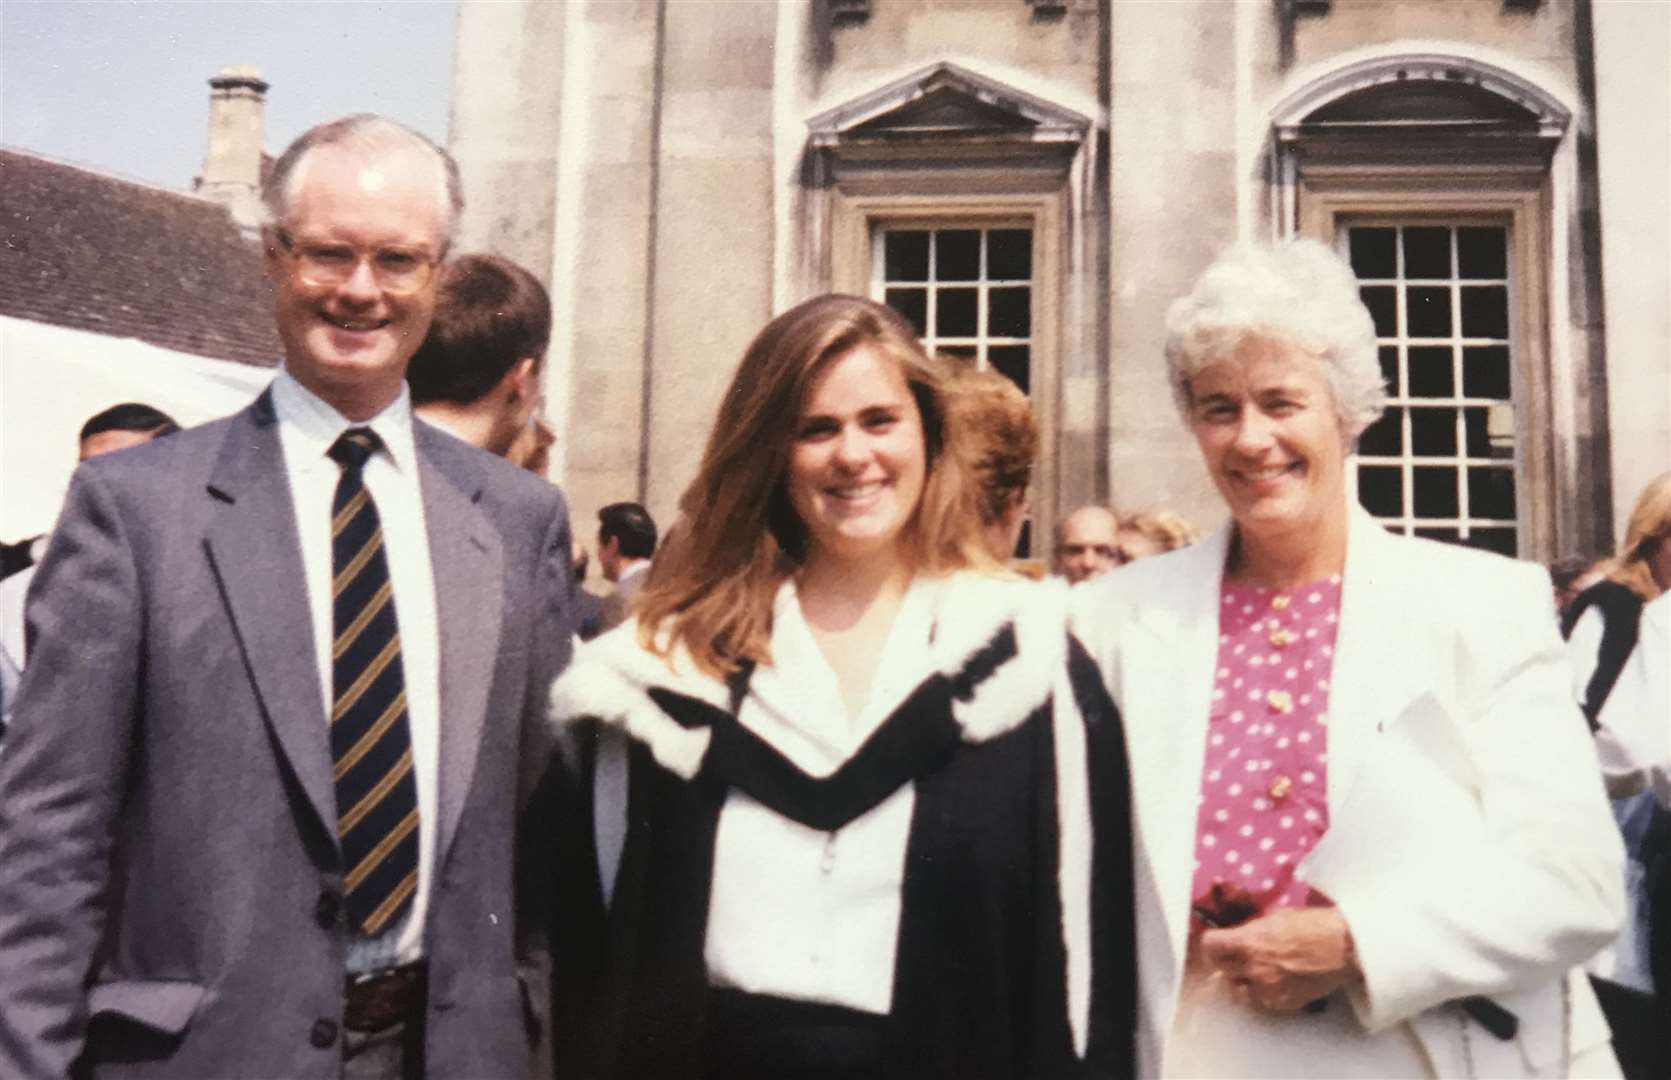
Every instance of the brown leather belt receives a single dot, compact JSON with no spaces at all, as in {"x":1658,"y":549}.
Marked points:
{"x":379,"y":999}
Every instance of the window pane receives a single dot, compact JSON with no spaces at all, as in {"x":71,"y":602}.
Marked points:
{"x":1477,"y":433}
{"x":1491,"y":493}
{"x":1485,"y":371}
{"x":906,"y":255}
{"x":1435,"y":491}
{"x":1388,"y":355}
{"x":1382,"y":302}
{"x":1385,"y":437}
{"x":1433,"y":432}
{"x":960,"y":352}
{"x":1449,"y":536}
{"x":913,"y":304}
{"x":1429,"y":314}
{"x":1485,"y":311}
{"x":1014,"y":361}
{"x":1502,"y":541}
{"x":1430,"y":372}
{"x":1427,"y":253}
{"x":1009,"y":312}
{"x":957,"y":255}
{"x":1381,"y":490}
{"x":955,"y":313}
{"x":1482,"y":253}
{"x":1373,"y":253}
{"x":1009,"y":254}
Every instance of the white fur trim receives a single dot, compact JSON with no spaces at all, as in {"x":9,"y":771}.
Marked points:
{"x":610,"y":677}
{"x":1073,"y":852}
{"x":609,"y":682}
{"x":971,"y":617}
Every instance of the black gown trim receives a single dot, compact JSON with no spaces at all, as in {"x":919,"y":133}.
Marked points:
{"x":914,"y":739}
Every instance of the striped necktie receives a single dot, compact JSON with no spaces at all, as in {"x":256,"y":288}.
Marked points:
{"x":371,"y":740}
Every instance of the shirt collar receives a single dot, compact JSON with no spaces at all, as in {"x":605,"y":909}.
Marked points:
{"x":316,"y":424}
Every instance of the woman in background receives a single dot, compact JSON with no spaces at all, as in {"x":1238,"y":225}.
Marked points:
{"x":1152,"y":532}
{"x":1603,"y":629}
{"x":1600,"y":625}
{"x":997,"y":436}
{"x":1370,"y":845}
{"x":856,"y":836}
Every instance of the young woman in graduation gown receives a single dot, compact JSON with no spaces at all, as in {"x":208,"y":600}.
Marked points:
{"x":844,"y":762}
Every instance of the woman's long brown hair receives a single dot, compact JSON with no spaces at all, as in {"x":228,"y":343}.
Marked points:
{"x":712,"y":585}
{"x":1650,"y":521}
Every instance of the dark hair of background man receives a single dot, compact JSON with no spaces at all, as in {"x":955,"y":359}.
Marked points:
{"x":129,"y":416}
{"x":632,"y":528}
{"x":489,"y":313}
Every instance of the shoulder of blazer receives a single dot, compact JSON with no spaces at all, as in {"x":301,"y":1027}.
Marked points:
{"x":149,"y":481}
{"x":1444,"y":578}
{"x":1153,"y":591}
{"x":1000,"y":644}
{"x":503,"y":490}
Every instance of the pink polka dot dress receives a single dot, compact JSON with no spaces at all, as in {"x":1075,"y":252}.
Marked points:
{"x":1263,"y":782}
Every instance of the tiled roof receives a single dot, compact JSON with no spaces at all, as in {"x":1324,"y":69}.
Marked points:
{"x":96,"y":252}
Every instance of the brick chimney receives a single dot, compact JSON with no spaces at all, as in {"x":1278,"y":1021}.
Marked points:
{"x":232,"y":164}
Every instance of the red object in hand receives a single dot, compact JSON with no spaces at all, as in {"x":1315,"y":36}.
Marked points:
{"x":1226,"y":905}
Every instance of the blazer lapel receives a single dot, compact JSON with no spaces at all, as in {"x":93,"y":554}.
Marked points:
{"x":253,"y":547}
{"x":1165,"y":697}
{"x":1377,"y":668}
{"x":467,"y":560}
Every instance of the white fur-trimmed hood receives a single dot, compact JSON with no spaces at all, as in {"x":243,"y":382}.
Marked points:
{"x":611,"y":677}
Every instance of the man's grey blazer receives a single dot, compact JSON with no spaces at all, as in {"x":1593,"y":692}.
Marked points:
{"x":613,"y":609}
{"x":170,"y":879}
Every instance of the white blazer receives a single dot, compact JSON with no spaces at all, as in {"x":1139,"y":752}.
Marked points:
{"x":1470,"y":847}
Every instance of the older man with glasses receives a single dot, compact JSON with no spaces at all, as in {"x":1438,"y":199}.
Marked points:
{"x":279,"y":742}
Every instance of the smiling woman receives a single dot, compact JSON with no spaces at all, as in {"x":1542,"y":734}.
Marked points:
{"x":1320,"y":716}
{"x":859,"y":837}
{"x":856,"y":469}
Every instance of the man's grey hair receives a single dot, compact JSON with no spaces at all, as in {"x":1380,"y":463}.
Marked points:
{"x":1298,"y":293}
{"x":365,"y":132}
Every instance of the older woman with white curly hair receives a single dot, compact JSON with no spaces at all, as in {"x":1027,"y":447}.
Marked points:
{"x":1368,"y":841}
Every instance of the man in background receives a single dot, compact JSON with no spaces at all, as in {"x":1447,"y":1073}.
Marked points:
{"x":477,"y":374}
{"x":626,"y":540}
{"x":116,"y":428}
{"x":1088,"y":544}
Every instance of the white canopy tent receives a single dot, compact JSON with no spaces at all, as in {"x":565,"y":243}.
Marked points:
{"x":52,"y":379}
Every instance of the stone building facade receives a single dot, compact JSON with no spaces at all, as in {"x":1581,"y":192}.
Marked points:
{"x":1033,"y":181}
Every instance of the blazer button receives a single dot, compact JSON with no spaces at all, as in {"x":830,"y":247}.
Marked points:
{"x":325,"y":912}
{"x":324,"y":1033}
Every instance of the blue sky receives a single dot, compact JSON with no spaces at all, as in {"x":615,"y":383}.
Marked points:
{"x":122,"y":85}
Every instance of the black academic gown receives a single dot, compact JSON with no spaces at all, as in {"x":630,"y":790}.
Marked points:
{"x":981,"y":963}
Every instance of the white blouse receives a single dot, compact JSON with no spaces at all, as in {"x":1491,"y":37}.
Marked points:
{"x":795,"y":912}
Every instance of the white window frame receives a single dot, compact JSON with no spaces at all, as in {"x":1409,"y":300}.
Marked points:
{"x":1398,"y":396}
{"x":1329,"y":206}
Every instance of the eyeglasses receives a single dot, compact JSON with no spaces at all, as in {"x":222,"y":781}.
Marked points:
{"x":397,"y":271}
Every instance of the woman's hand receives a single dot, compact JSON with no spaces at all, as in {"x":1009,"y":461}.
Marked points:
{"x":1284,"y":960}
